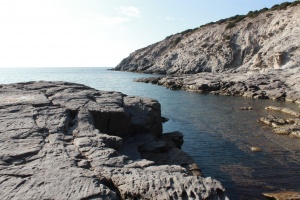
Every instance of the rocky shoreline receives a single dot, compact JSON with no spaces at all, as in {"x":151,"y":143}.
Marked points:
{"x":262,"y":40}
{"x":288,"y":126}
{"x":274,"y":84}
{"x":68,"y":141}
{"x":255,"y":55}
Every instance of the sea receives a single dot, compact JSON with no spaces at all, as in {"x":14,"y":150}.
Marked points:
{"x":218,"y":137}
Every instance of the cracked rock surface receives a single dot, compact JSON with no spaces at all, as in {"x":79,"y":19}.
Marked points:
{"x":62,"y":140}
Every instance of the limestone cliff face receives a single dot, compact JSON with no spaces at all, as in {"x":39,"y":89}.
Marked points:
{"x":269,"y":41}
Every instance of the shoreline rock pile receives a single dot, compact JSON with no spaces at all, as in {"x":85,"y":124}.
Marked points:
{"x":289,"y":126}
{"x":276,"y":84}
{"x":68,"y":141}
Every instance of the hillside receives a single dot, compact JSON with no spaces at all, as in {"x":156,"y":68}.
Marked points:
{"x":262,"y":40}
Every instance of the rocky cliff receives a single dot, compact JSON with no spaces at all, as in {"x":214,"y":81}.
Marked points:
{"x":61,"y":140}
{"x":268,"y":39}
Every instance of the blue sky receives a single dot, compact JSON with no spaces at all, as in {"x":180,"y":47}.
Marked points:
{"x":100,"y":33}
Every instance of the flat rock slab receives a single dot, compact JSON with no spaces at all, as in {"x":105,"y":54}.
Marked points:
{"x":62,"y":140}
{"x":15,"y":98}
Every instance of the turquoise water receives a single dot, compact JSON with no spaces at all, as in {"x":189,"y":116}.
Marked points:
{"x":216,"y":136}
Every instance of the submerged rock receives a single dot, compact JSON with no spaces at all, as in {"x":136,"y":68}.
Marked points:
{"x":256,"y":149}
{"x":68,"y":141}
{"x":243,"y":108}
{"x":288,"y":126}
{"x":284,"y":110}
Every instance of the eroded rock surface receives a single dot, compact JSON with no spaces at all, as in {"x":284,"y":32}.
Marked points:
{"x":267,"y":41}
{"x":275,"y":84}
{"x":62,"y":140}
{"x":257,"y":57}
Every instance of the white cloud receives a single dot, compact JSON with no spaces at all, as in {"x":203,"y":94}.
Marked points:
{"x":129,"y":11}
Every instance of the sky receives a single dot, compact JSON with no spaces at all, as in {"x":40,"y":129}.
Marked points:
{"x":100,"y":33}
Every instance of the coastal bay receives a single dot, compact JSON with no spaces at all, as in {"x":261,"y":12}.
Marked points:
{"x":255,"y":55}
{"x":216,"y":136}
{"x":220,"y":119}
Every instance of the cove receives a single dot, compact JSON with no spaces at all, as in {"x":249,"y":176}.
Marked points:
{"x":218,"y":137}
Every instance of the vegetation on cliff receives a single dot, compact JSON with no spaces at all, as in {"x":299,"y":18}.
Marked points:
{"x":260,"y":40}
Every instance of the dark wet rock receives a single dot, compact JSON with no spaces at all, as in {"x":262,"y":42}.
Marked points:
{"x":152,"y":80}
{"x":173,"y":137}
{"x":68,"y":141}
{"x":164,"y":119}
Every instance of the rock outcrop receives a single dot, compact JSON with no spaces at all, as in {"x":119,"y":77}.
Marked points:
{"x":68,"y":141}
{"x":276,"y":84}
{"x":249,"y":43}
{"x":256,"y":56}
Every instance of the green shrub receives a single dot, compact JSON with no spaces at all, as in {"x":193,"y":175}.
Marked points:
{"x":188,"y":31}
{"x":284,"y":5}
{"x":233,"y":18}
{"x":239,"y":18}
{"x":230,"y":25}
{"x":168,"y":37}
{"x":263,"y":10}
{"x":275,"y":7}
{"x":253,"y":14}
{"x":295,"y":3}
{"x":210,"y":23}
{"x":221,"y":21}
{"x":176,"y":41}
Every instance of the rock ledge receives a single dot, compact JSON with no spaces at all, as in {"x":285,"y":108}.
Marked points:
{"x":68,"y":141}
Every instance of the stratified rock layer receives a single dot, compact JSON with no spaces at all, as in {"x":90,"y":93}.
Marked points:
{"x":268,"y":41}
{"x":256,"y":57}
{"x":65,"y":141}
